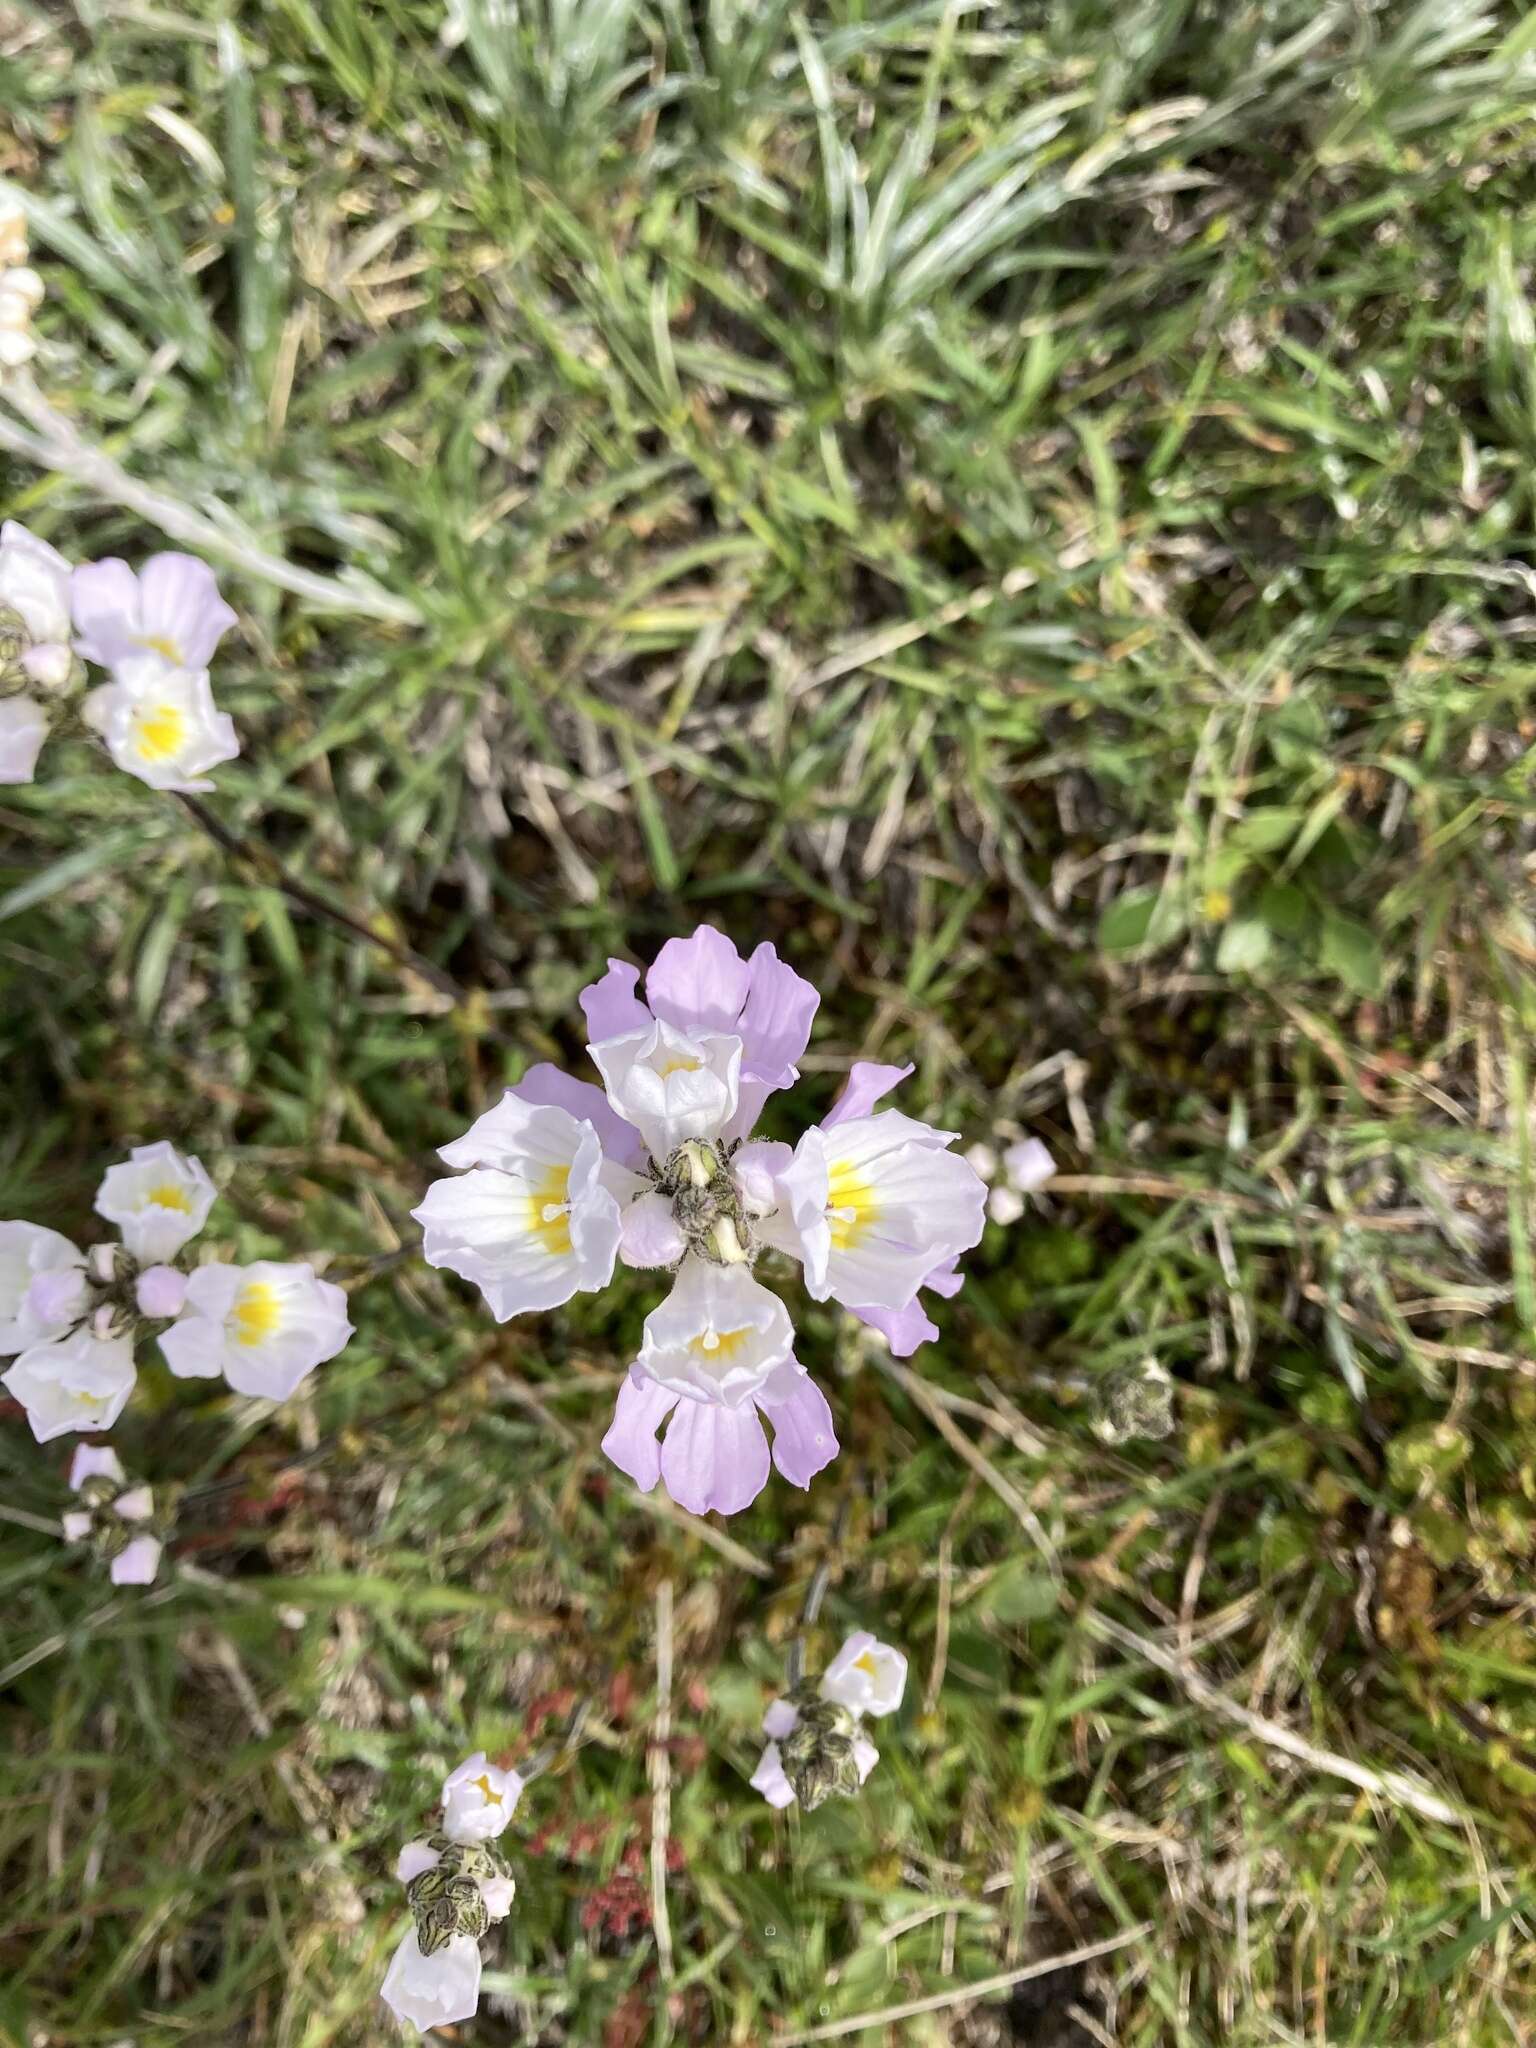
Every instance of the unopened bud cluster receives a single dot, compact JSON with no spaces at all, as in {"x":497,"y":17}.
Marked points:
{"x":817,"y":1747}
{"x":1135,"y":1401}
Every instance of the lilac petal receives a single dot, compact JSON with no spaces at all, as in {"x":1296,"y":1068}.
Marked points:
{"x":775,"y":1025}
{"x":699,"y":983}
{"x":867,"y":1082}
{"x":714,"y":1457}
{"x":104,"y":599}
{"x":548,"y":1087}
{"x":946,"y":1279}
{"x":904,"y":1329}
{"x":803,"y":1437}
{"x":180,"y":603}
{"x":631,"y":1440}
{"x":612,"y":1008}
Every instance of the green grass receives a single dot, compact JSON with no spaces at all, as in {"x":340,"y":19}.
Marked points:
{"x":1029,"y":507}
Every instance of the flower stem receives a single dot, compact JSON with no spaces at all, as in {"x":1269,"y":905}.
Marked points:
{"x":239,"y":846}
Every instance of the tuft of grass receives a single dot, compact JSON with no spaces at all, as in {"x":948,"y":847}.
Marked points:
{"x":1029,"y":508}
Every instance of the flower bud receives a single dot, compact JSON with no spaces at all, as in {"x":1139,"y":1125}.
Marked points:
{"x":818,"y":1753}
{"x":1135,"y":1401}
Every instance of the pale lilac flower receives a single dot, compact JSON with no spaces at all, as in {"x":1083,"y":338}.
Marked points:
{"x":716,"y":1357}
{"x":437,"y":1990}
{"x":94,"y":1461}
{"x":158,"y":1199}
{"x":265,"y":1327}
{"x":536,"y":1219}
{"x":479,"y":1800}
{"x":23,"y":728}
{"x":659,"y":1168}
{"x":170,"y":612}
{"x":34,"y":588}
{"x":138,"y":1560}
{"x":161,"y":724}
{"x":81,"y":1381}
{"x":29,"y":1314}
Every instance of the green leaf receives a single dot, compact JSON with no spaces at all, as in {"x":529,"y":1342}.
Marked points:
{"x":1245,"y":946}
{"x":1352,"y":952}
{"x":1141,"y":917}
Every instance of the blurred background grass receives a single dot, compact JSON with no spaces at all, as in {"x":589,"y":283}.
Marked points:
{"x":1028,"y":507}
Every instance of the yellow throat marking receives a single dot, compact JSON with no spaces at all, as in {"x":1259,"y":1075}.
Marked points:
{"x":853,"y":1206}
{"x":167,"y":1196}
{"x":719,"y":1347}
{"x":487,"y":1791}
{"x":866,"y":1664}
{"x":256,"y":1312}
{"x":548,"y":1219}
{"x":158,"y":643}
{"x":161,"y":730}
{"x":678,"y":1063}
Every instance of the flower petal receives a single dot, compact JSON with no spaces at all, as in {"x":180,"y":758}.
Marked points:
{"x":611,"y":1006}
{"x":552,"y":1088}
{"x":641,"y":1409}
{"x":699,"y":983}
{"x":714,"y":1457}
{"x":867,"y":1082}
{"x":804,"y":1440}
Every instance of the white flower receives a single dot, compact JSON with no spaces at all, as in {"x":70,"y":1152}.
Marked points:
{"x":769,"y":1778}
{"x":498,"y":1894}
{"x":672,"y":1086}
{"x":170,"y":612}
{"x":158,"y":1199}
{"x":717,"y":1337}
{"x":436,"y":1990}
{"x":265,"y":1327}
{"x":536,"y":1219}
{"x":138,"y":1563}
{"x":1005,"y":1205}
{"x":1028,"y":1166}
{"x":866,"y":1676}
{"x":161,"y":724}
{"x":23,"y":728}
{"x":34,"y":584}
{"x":28,"y":1251}
{"x":81,"y":1382}
{"x":479,"y":1800}
{"x":875,"y":1205}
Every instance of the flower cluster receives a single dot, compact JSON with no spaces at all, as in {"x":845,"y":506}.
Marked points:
{"x":456,"y":1885}
{"x":817,"y":1748}
{"x":70,"y":1318}
{"x":21,"y":291}
{"x":1023,"y":1169}
{"x":116,"y":1519}
{"x":154,"y":633}
{"x":658,"y":1167}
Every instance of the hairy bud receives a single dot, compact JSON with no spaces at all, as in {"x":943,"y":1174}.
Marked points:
{"x":1135,"y":1401}
{"x":817,"y":1754}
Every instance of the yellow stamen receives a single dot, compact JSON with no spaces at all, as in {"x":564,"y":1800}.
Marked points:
{"x":719,"y":1347}
{"x":161,"y":730}
{"x":167,"y":1196}
{"x":853,"y":1206}
{"x":256,"y":1313}
{"x":548,"y":1217}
